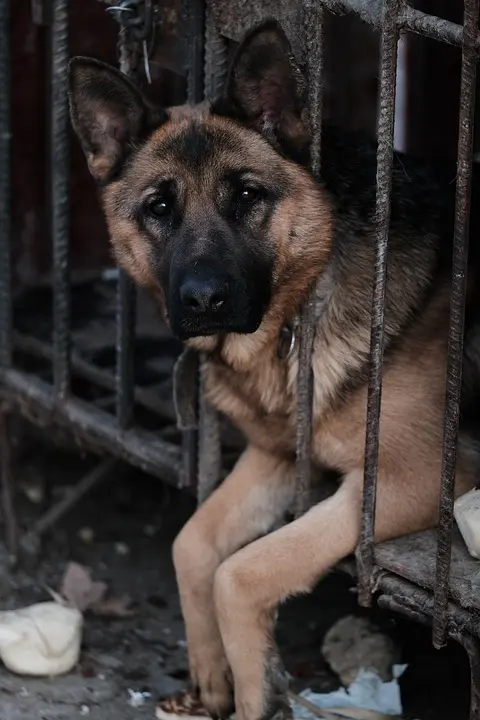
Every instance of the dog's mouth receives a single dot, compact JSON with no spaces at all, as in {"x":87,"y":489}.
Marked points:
{"x":188,"y":329}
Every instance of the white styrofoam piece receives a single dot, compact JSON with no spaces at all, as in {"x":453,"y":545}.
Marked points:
{"x":41,"y":640}
{"x":467,"y":514}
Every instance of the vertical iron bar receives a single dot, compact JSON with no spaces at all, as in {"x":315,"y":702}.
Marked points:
{"x":313,"y":24}
{"x":125,"y":350}
{"x":126,"y":301}
{"x":216,"y":57}
{"x":193,"y":13}
{"x":457,"y":313}
{"x":190,"y":449}
{"x":193,"y":18}
{"x":7,"y":503}
{"x":60,"y":198}
{"x":386,"y":120}
{"x":5,"y":217}
{"x":209,"y":447}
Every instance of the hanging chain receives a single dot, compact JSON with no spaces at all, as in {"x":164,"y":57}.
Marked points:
{"x":136,"y":38}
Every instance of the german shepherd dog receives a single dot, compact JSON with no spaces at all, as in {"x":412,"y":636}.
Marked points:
{"x":214,"y":209}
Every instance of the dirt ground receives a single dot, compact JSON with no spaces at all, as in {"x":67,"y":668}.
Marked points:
{"x":132,"y":520}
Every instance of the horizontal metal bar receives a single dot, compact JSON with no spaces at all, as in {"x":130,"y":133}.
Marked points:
{"x":402,"y":596}
{"x":431,"y":26}
{"x":409,"y":18}
{"x":144,"y":397}
{"x":92,"y":428}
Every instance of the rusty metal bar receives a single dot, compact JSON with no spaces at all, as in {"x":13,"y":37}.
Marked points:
{"x":313,"y":25}
{"x":125,"y":392}
{"x":7,"y":504}
{"x":92,"y":428}
{"x":216,"y":57}
{"x":410,"y":19}
{"x":59,"y":195}
{"x":193,"y":19}
{"x":386,"y":119}
{"x":399,"y":595}
{"x":209,"y":452}
{"x":5,"y":212}
{"x":126,"y":295}
{"x":430,"y":26}
{"x":209,"y":448}
{"x":457,"y":315}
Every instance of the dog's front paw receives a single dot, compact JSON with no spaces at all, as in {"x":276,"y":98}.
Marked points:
{"x":214,"y":682}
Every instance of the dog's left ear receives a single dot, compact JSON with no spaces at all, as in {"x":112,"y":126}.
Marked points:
{"x":266,"y":89}
{"x":108,"y":113}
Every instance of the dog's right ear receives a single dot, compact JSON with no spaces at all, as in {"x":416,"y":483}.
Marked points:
{"x":266,"y":89}
{"x":108,"y":114}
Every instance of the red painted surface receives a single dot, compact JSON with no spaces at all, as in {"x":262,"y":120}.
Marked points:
{"x":94,"y":33}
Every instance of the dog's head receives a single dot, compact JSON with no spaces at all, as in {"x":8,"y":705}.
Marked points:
{"x":211,"y":206}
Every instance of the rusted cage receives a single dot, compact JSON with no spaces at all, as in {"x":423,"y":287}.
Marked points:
{"x":402,"y":574}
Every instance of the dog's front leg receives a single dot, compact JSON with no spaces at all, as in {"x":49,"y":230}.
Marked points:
{"x":248,"y":503}
{"x":250,"y":584}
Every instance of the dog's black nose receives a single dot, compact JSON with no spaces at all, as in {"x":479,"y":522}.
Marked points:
{"x":203,"y":296}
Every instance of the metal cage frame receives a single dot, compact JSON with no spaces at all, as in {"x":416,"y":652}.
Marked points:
{"x":197,"y":462}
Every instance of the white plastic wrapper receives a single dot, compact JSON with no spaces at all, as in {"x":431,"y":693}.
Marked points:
{"x":366,"y":692}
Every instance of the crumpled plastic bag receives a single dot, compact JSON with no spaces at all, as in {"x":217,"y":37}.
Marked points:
{"x":367,"y":692}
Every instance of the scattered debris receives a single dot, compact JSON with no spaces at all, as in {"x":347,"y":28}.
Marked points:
{"x":353,"y":643}
{"x":106,"y":661}
{"x":138,"y":698}
{"x":86,"y":594}
{"x":467,"y":515}
{"x":114,"y":607}
{"x":79,"y":589}
{"x":86,"y":534}
{"x":122,"y":548}
{"x":41,"y":640}
{"x":366,"y":698}
{"x":34,"y":488}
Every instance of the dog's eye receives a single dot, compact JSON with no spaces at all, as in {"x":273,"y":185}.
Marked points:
{"x":159,"y":207}
{"x":249,"y":195}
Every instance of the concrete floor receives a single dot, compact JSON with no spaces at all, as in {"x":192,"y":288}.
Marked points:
{"x":146,"y":653}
